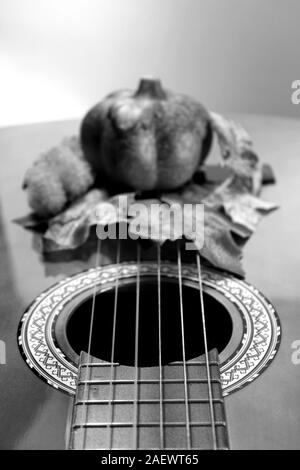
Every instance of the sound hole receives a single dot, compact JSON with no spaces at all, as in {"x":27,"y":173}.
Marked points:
{"x":218,"y":324}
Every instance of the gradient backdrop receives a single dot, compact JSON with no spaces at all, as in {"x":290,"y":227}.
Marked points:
{"x":60,"y":56}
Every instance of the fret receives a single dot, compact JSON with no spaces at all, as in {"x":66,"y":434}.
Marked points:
{"x":126,"y":374}
{"x":148,"y":381}
{"x":193,"y":363}
{"x":99,"y":364}
{"x":174,"y":437}
{"x":95,"y":428}
{"x":172,"y":364}
{"x":150,"y":425}
{"x":143,"y":401}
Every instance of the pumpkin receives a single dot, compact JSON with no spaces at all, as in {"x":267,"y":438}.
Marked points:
{"x":148,"y":139}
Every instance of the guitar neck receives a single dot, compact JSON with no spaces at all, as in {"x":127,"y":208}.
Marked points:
{"x":168,"y":407}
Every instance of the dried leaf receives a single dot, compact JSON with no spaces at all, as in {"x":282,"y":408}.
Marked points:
{"x":194,"y":225}
{"x":217,"y":244}
{"x":191,"y":193}
{"x":152,"y":219}
{"x":31,"y":221}
{"x":248,"y":210}
{"x":71,"y":228}
{"x":112,"y":211}
{"x":237,"y":152}
{"x":234,"y":140}
{"x":243,"y":208}
{"x":220,"y":249}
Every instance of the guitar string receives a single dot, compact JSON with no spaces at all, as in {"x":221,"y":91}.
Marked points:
{"x":161,"y":422}
{"x":186,"y":397}
{"x":136,"y":347}
{"x":136,"y":351}
{"x":112,"y":359}
{"x":209,"y":383}
{"x":88,"y":368}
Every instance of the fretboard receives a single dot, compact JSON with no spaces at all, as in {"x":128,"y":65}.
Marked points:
{"x":120,"y":407}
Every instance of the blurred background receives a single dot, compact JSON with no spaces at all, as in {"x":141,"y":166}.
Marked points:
{"x":58,"y":57}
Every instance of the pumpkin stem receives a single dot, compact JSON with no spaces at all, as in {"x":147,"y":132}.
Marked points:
{"x":152,"y":88}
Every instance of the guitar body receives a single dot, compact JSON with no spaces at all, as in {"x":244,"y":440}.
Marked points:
{"x":262,"y":414}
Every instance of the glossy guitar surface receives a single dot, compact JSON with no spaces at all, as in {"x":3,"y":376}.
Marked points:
{"x":262,"y":415}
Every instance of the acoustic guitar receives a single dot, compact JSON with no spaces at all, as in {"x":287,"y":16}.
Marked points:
{"x":121,"y":346}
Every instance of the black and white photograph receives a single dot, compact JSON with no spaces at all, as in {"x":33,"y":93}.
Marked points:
{"x":149,"y":229}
